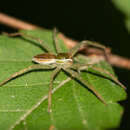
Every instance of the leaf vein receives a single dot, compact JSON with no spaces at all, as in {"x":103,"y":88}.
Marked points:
{"x":84,"y":121}
{"x":23,"y":117}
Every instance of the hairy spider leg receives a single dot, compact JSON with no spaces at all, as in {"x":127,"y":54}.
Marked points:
{"x":85,"y":67}
{"x":55,"y":41}
{"x":53,"y":75}
{"x":75,"y":49}
{"x":42,"y":43}
{"x":113,"y":78}
{"x":79,"y":78}
{"x":32,"y":67}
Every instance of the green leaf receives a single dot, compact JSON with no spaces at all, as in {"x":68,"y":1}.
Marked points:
{"x":24,"y":102}
{"x":123,"y":5}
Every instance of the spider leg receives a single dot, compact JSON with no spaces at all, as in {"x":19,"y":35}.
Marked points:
{"x":75,"y":49}
{"x":79,"y":78}
{"x":50,"y":88}
{"x":41,"y":42}
{"x":105,"y":72}
{"x":85,"y":67}
{"x":55,"y":40}
{"x":76,"y":67}
{"x":32,"y":67}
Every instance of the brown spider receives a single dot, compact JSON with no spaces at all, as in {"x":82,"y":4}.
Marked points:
{"x":62,"y":62}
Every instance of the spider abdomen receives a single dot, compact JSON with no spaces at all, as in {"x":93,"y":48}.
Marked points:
{"x":45,"y":58}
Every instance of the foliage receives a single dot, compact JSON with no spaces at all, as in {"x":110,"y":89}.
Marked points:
{"x":124,"y":7}
{"x":24,"y":103}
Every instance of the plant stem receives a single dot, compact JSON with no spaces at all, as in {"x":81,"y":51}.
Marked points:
{"x":114,"y":60}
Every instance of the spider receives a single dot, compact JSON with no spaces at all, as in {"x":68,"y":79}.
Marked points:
{"x":61,"y":62}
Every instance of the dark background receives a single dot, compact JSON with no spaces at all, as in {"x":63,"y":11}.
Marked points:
{"x":95,"y":20}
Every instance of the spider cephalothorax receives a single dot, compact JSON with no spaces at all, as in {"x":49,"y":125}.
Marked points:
{"x":62,"y":62}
